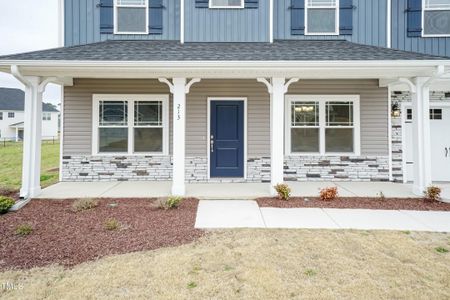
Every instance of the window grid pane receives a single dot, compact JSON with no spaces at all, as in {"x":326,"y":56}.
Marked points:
{"x":226,"y":3}
{"x":148,"y":113}
{"x":437,"y":4}
{"x":305,"y":114}
{"x":437,"y":22}
{"x":321,"y":3}
{"x":339,"y":114}
{"x":113,"y":113}
{"x":131,"y":2}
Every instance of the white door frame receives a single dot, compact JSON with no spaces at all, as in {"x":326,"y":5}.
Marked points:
{"x":208,"y":137}
{"x":404,"y":107}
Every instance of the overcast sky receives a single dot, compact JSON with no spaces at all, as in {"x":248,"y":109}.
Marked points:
{"x":28,"y":25}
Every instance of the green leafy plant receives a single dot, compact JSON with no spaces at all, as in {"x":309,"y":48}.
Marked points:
{"x":433,"y":193}
{"x":310,"y":272}
{"x":169,"y":203}
{"x":382,"y":196}
{"x":328,"y":193}
{"x":24,"y":229}
{"x":84,"y":204}
{"x":283,"y":190}
{"x":441,"y":250}
{"x":112,"y":224}
{"x":191,"y":285}
{"x":5,"y":204}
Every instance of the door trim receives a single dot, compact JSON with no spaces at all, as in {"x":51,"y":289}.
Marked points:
{"x":404,"y":107}
{"x":208,"y":137}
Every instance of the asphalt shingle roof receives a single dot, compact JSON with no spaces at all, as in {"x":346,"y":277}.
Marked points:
{"x":14,"y":99}
{"x":280,"y":50}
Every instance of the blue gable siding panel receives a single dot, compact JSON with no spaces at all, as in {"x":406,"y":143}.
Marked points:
{"x":227,"y":25}
{"x":82,"y":23}
{"x":369,"y":23}
{"x":401,"y":40}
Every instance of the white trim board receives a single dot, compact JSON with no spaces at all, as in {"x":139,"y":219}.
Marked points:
{"x":208,"y":127}
{"x":96,"y":98}
{"x":322,"y":99}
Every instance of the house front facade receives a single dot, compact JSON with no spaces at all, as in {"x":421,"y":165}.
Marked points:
{"x":199,"y":91}
{"x":12,"y":117}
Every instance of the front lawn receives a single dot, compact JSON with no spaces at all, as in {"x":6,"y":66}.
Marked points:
{"x":11,"y":164}
{"x":257,"y":264}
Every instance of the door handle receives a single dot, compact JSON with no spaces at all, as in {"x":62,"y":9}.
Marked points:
{"x":446,"y":152}
{"x":211,"y":143}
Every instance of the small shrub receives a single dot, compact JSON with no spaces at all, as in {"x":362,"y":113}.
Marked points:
{"x":84,"y":204}
{"x":328,"y":194}
{"x":441,"y":250}
{"x":5,"y":204}
{"x":112,"y":224}
{"x":382,"y":196}
{"x":168,"y":203}
{"x":283,"y":190}
{"x":433,"y":193}
{"x":191,"y":285}
{"x":24,"y":229}
{"x":310,"y":272}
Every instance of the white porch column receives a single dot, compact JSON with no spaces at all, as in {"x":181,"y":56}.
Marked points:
{"x":32,"y":135}
{"x":277,"y":88}
{"x":179,"y":136}
{"x":421,"y":135}
{"x":179,"y":88}
{"x":277,"y":132}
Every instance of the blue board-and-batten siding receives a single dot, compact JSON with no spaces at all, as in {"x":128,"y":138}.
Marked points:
{"x":82,"y":23}
{"x":227,"y":25}
{"x":400,"y":40}
{"x":369,"y":23}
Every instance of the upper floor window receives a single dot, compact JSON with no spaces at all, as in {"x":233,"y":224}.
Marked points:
{"x":131,"y":16}
{"x":11,"y":115}
{"x":436,"y":18}
{"x":46,"y":116}
{"x":226,"y":3}
{"x":322,"y":17}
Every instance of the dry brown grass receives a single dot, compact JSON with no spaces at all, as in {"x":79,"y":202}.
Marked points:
{"x":258,"y":264}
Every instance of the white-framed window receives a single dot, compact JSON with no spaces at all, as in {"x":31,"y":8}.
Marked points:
{"x":131,"y":17}
{"x":226,"y":3}
{"x":11,"y":115}
{"x":321,"y":17}
{"x":322,"y":125}
{"x":46,"y":116}
{"x":130,"y":124}
{"x":436,"y":18}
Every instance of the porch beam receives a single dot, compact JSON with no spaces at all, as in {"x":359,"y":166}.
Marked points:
{"x":179,"y":87}
{"x":277,"y":88}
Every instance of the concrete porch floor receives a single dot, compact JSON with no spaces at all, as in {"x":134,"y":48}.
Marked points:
{"x":141,"y":189}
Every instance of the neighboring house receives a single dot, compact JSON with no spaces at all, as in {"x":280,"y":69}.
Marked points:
{"x":238,"y":90}
{"x":12,"y":116}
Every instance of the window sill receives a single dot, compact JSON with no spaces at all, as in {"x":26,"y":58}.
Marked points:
{"x":130,"y":154}
{"x":324,"y":154}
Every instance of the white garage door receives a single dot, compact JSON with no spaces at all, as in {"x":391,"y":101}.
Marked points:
{"x":440,"y":142}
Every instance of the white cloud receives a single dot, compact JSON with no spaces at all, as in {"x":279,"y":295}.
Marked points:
{"x":28,"y":25}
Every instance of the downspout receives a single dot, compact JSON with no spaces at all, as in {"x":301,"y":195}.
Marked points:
{"x":182,"y":21}
{"x":389,"y":24}
{"x":271,"y":17}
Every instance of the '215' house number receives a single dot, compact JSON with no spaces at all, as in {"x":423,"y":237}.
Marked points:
{"x":179,"y":112}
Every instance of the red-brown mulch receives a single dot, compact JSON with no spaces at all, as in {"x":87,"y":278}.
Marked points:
{"x":61,"y":236}
{"x":357,"y":202}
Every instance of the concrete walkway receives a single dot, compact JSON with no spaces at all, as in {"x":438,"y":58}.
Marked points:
{"x":232,"y":191}
{"x":247,"y":214}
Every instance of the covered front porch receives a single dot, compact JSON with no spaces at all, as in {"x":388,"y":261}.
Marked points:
{"x":272,"y":79}
{"x":222,"y":191}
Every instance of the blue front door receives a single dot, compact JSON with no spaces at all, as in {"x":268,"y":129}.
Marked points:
{"x":227,"y":139}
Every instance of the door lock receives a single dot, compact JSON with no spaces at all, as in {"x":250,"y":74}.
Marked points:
{"x":446,"y":151}
{"x":211,"y":143}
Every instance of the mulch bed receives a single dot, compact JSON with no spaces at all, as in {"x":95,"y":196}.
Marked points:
{"x":61,"y":236}
{"x":356,"y":202}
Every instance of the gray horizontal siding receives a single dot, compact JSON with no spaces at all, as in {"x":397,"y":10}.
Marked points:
{"x":78,"y":110}
{"x":78,"y":107}
{"x":373,"y":107}
{"x":226,"y":25}
{"x":82,"y":23}
{"x":369,"y":23}
{"x":400,"y":40}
